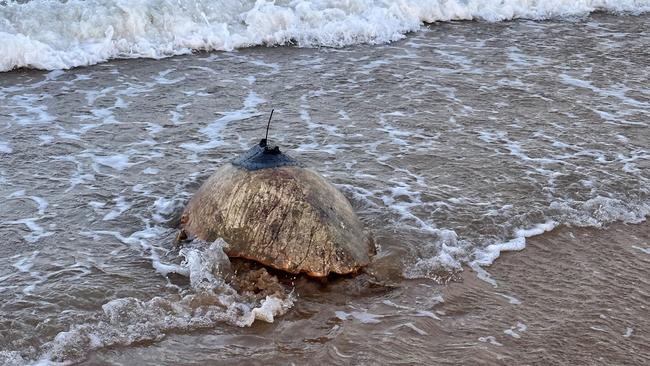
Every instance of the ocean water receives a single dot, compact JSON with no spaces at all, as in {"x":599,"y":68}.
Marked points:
{"x":459,"y":130}
{"x":52,"y":34}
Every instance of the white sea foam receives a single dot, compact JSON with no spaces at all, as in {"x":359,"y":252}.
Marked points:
{"x":447,"y":251}
{"x":599,"y":211}
{"x":47,"y":139}
{"x":36,"y":232}
{"x":30,"y":108}
{"x":213,"y":130}
{"x":487,"y":255}
{"x":24,"y":264}
{"x":209,"y":301}
{"x":48,"y":34}
{"x":617,"y":92}
{"x":78,"y":177}
{"x":5,"y":147}
{"x":121,"y":205}
{"x":595,"y":212}
{"x":644,"y":250}
{"x":12,"y":358}
{"x":628,"y":332}
{"x":519,"y":328}
{"x":490,"y":339}
{"x":40,"y":202}
{"x":117,"y":161}
{"x":151,"y":171}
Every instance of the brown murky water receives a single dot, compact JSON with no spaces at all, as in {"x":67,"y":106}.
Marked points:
{"x":454,"y":145}
{"x":574,"y":296}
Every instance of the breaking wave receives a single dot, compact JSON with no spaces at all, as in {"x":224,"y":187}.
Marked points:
{"x":452,"y":253}
{"x":50,"y":34}
{"x":210,"y":301}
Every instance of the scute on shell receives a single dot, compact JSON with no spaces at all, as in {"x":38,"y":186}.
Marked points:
{"x":286,"y":217}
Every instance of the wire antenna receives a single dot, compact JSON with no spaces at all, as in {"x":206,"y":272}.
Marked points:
{"x":268,"y":125}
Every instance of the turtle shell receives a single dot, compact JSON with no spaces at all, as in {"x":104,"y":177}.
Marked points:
{"x":284,"y":216}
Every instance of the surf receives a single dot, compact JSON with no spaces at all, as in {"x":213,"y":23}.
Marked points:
{"x":50,"y":35}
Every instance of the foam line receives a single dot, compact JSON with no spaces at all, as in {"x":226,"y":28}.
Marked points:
{"x":50,"y":34}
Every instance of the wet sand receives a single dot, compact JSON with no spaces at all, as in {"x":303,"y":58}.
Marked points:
{"x":574,"y":296}
{"x":582,"y":295}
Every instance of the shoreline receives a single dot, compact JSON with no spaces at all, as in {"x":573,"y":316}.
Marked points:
{"x":549,"y":307}
{"x":573,"y":295}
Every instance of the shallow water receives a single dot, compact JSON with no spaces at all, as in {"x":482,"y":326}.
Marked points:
{"x":453,"y":144}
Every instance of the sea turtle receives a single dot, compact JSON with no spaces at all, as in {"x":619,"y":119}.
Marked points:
{"x":271,"y":209}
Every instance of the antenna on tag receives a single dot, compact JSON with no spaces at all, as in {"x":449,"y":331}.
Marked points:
{"x":267,"y":126}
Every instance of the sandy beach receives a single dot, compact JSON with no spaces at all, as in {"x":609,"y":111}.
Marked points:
{"x":497,"y":152}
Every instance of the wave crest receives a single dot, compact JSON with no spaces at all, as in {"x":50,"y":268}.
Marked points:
{"x":49,"y":34}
